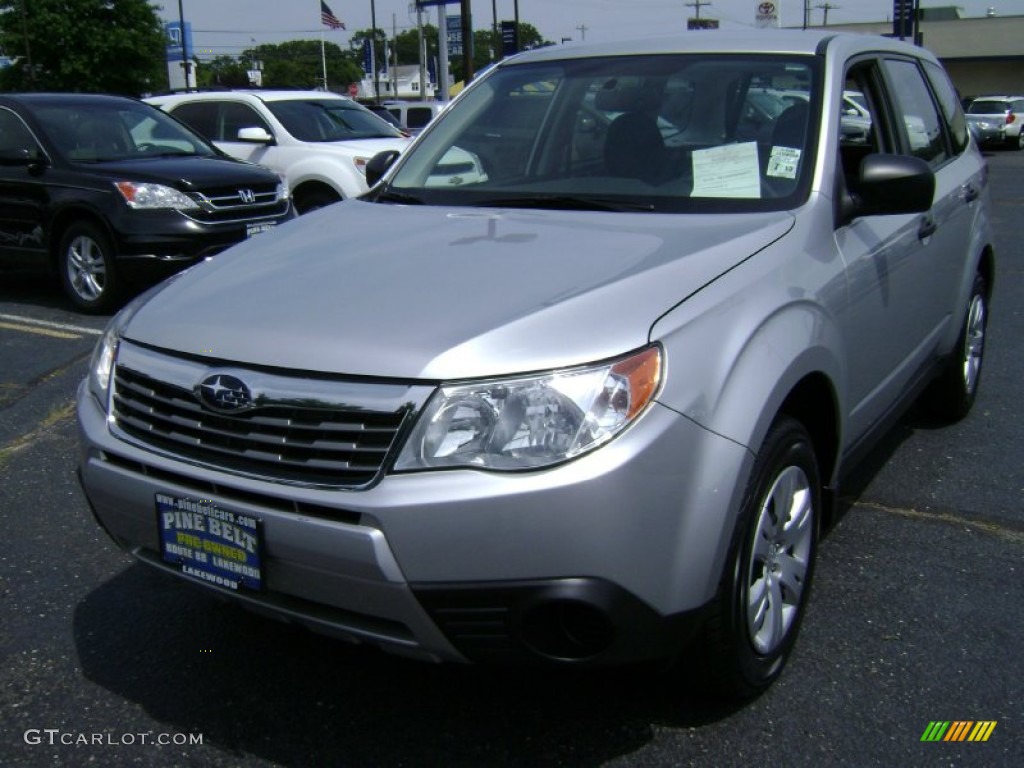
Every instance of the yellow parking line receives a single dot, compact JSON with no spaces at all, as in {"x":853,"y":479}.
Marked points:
{"x":41,"y":331}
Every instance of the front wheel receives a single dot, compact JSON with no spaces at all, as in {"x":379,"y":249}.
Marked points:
{"x":951,"y":396}
{"x":86,"y":264}
{"x":307,"y":202}
{"x":754,"y":621}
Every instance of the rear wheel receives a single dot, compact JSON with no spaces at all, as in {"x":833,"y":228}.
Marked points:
{"x":951,"y":396}
{"x":87,"y":270}
{"x":756,"y":615}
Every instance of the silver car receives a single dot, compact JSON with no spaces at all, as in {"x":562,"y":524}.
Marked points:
{"x":998,"y":120}
{"x":590,"y":405}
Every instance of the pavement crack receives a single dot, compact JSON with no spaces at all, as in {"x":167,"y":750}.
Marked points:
{"x":995,"y":529}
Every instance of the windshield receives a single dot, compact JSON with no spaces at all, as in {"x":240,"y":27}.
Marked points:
{"x":97,"y":133}
{"x":660,"y":133}
{"x":987,"y":107}
{"x":330,"y":120}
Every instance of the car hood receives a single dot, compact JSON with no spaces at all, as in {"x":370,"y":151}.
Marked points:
{"x":183,"y":172}
{"x":360,"y":147}
{"x":445,"y":293}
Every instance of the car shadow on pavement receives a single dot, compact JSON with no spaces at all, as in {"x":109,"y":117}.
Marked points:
{"x":32,"y":286}
{"x":279,"y":693}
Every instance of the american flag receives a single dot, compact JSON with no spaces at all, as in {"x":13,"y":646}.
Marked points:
{"x":327,"y":17}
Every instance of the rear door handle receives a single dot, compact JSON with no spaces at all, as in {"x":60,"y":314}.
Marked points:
{"x":970,"y":193}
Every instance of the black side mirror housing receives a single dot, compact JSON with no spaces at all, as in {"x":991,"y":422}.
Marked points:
{"x":893,"y":184}
{"x":379,"y":165}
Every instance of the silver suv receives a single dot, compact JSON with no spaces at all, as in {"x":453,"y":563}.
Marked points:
{"x":999,"y":118}
{"x":319,"y":141}
{"x":589,"y":404}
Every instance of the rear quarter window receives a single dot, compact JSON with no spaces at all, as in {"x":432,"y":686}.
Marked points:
{"x":950,"y":106}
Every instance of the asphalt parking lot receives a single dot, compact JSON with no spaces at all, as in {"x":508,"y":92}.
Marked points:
{"x":915,"y":618}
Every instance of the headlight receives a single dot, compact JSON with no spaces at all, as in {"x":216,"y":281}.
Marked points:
{"x":532,"y":421}
{"x":283,"y":193}
{"x":360,"y":163}
{"x":101,"y":367}
{"x":143,"y":196}
{"x":104,"y":354}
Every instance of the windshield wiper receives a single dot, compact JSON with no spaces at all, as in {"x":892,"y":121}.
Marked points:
{"x":565,"y":203}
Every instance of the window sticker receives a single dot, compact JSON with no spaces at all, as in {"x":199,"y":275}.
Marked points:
{"x":727,"y":171}
{"x":783,"y":162}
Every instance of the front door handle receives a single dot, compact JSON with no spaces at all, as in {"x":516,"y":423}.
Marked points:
{"x":927,"y":228}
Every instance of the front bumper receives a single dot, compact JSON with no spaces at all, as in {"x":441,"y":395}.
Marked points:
{"x":606,"y":559}
{"x":155,"y":244}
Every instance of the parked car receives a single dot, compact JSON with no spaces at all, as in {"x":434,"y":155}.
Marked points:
{"x":109,"y":191}
{"x":593,"y":406}
{"x":986,"y":131}
{"x":320,"y":141}
{"x":414,"y":116}
{"x":990,"y":113}
{"x":385,"y":114}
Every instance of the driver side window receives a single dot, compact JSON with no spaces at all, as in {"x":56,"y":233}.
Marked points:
{"x":15,"y":137}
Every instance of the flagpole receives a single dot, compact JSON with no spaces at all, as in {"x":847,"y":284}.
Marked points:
{"x":323,"y":58}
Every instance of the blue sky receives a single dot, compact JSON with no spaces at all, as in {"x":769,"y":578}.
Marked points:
{"x":226,"y":27}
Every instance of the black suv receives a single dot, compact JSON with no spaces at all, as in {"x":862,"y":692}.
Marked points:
{"x":110,"y":191}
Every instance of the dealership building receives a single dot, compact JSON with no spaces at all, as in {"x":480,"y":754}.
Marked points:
{"x":982,"y":55}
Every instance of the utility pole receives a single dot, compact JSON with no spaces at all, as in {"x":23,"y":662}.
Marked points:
{"x":184,"y":56}
{"x":807,"y":13}
{"x":826,"y":7}
{"x":496,"y":52}
{"x":582,"y":29}
{"x":373,"y":52}
{"x":697,"y":5}
{"x":28,"y":49}
{"x":467,"y":43}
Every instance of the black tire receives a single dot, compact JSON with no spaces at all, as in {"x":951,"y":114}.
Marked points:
{"x":310,"y":201}
{"x":951,"y":396}
{"x":773,"y":554}
{"x":87,"y":268}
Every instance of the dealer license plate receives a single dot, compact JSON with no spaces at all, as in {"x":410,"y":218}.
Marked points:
{"x":255,"y":229}
{"x":209,"y":543}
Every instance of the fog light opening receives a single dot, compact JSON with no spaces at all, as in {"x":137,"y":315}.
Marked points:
{"x":567,"y":630}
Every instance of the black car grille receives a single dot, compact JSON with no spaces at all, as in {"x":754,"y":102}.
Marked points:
{"x":291,"y":442}
{"x":222,"y":204}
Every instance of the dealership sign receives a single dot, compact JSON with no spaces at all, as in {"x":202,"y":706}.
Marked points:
{"x":767,"y":15}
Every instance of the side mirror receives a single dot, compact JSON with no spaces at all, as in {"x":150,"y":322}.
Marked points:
{"x":379,"y":165}
{"x":893,"y":184}
{"x":255,"y":135}
{"x":24,"y":156}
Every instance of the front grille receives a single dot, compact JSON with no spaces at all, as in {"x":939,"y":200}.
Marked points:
{"x":226,"y":204}
{"x":283,"y":440}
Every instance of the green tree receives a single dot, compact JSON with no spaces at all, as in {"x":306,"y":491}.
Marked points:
{"x":298,"y":64}
{"x":225,"y":71}
{"x":487,"y":47}
{"x":107,"y":46}
{"x":380,"y":43}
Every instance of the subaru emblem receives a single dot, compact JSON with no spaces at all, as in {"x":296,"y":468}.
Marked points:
{"x":225,"y":393}
{"x":247,"y":196}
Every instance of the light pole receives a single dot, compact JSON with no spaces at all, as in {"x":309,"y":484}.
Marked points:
{"x":373,"y":52}
{"x":185,"y":64}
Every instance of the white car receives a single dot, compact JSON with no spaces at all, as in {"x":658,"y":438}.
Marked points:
{"x":320,"y":141}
